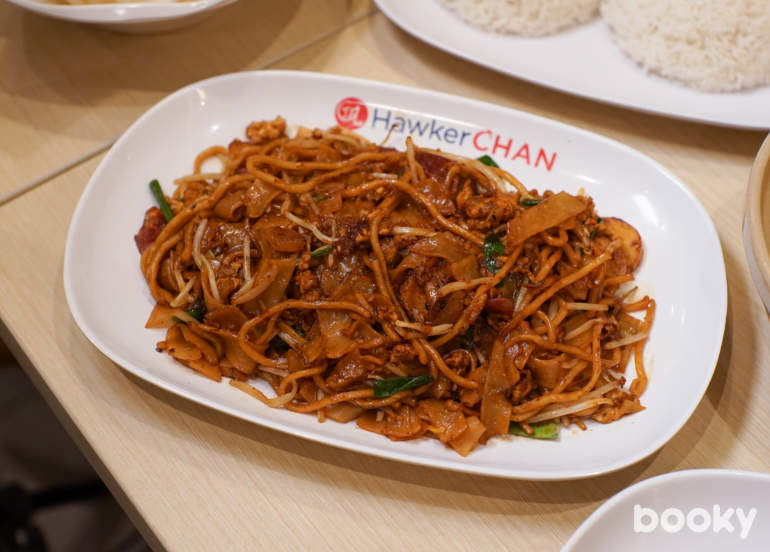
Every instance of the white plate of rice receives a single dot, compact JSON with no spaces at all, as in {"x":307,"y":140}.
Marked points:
{"x":575,"y":52}
{"x":132,"y":16}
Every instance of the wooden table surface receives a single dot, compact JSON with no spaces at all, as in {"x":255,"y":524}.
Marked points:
{"x":194,"y":479}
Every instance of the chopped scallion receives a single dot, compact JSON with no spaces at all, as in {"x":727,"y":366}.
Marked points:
{"x":543,"y":430}
{"x":493,"y":247}
{"x":165,"y":208}
{"x":488,"y":161}
{"x":198,"y":309}
{"x":326,"y":249}
{"x":391,"y":386}
{"x":530,"y":202}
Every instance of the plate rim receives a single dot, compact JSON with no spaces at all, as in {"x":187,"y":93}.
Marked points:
{"x":406,"y":26}
{"x":123,"y":13}
{"x":411,"y":458}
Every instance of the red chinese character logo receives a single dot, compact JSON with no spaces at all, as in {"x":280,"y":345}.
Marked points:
{"x":351,"y":113}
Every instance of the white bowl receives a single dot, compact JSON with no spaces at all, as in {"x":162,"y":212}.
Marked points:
{"x":136,"y":17}
{"x":756,"y":222}
{"x":701,"y":510}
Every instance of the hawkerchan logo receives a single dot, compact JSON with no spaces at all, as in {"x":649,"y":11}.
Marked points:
{"x":698,"y":520}
{"x":352,"y":113}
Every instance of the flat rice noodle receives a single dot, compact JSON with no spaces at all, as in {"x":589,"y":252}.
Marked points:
{"x":575,"y":321}
{"x":343,"y":412}
{"x":257,"y":198}
{"x":368,"y":421}
{"x":263,"y":278}
{"x":408,"y":215}
{"x":226,"y":317}
{"x":333,"y":324}
{"x":166,"y":276}
{"x":413,"y":298}
{"x":205,"y":368}
{"x":444,"y":245}
{"x":365,"y":333}
{"x":627,"y":324}
{"x":547,"y":372}
{"x":466,"y":269}
{"x":294,"y":361}
{"x":437,"y":193}
{"x":313,"y":348}
{"x":286,"y":240}
{"x":412,"y":260}
{"x":276,"y":292}
{"x":330,"y":278}
{"x":332,"y":203}
{"x":231,"y":206}
{"x":547,"y":214}
{"x":402,"y":424}
{"x":495,"y":407}
{"x":354,"y":282}
{"x":265,"y":224}
{"x":437,"y":414}
{"x":349,"y":370}
{"x":239,"y":359}
{"x":210,"y":336}
{"x":332,"y":192}
{"x":516,"y":356}
{"x":453,"y":307}
{"x":468,"y":439}
{"x":178,"y":347}
{"x":208,"y":350}
{"x":162,"y":316}
{"x":231,"y":233}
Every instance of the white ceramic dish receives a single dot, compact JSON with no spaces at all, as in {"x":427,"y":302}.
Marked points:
{"x":130,"y":17}
{"x":756,"y":223}
{"x":704,"y":510}
{"x":683,"y":262}
{"x":582,"y":61}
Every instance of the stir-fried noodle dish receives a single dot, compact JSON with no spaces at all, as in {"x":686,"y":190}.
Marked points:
{"x":420,"y":293}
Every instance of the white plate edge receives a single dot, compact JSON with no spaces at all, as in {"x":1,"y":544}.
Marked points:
{"x":408,"y":458}
{"x":384,"y":5}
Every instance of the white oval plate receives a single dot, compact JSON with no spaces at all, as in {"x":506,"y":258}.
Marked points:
{"x":582,"y":61}
{"x":703,"y":510}
{"x":129,"y":17}
{"x":683,"y":262}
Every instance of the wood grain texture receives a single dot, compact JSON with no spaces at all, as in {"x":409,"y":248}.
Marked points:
{"x":201,"y":480}
{"x":67,"y":88}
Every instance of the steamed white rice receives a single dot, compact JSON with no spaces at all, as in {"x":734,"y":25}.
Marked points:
{"x":713,"y":45}
{"x":524,"y":17}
